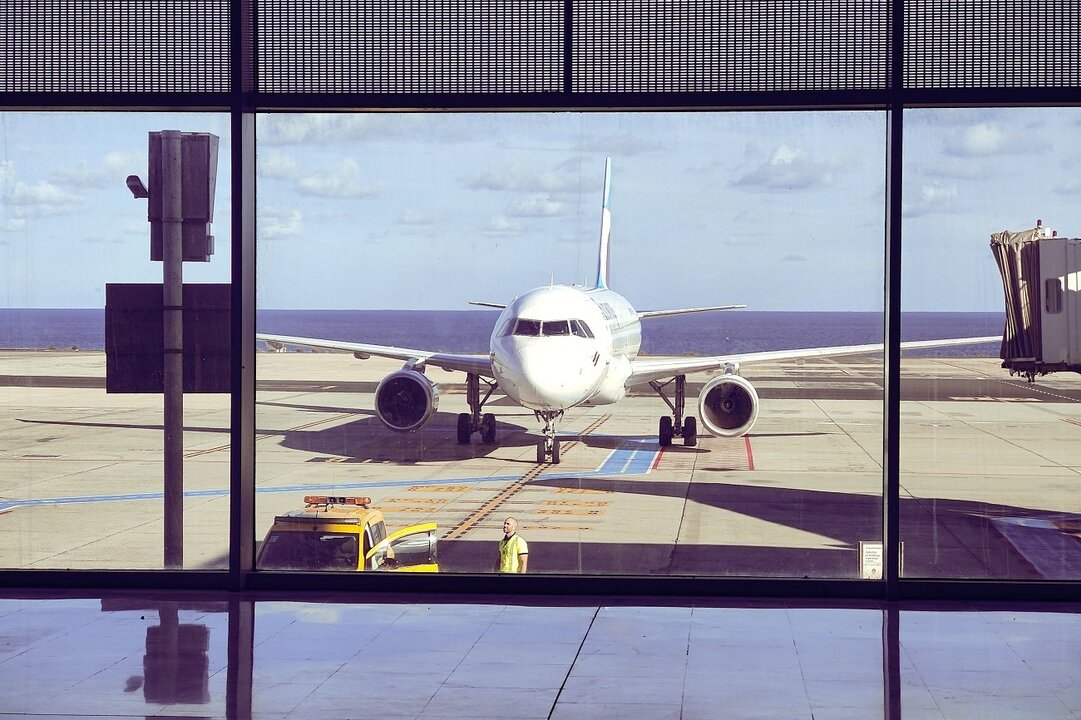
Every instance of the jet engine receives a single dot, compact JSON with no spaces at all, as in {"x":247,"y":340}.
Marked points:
{"x":728,"y":405}
{"x":405,"y":400}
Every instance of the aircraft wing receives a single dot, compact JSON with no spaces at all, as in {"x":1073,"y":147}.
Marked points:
{"x":644,"y":370}
{"x":686,"y":311}
{"x":476,"y":364}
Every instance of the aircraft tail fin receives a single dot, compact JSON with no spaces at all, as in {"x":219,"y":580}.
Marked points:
{"x":603,"y":260}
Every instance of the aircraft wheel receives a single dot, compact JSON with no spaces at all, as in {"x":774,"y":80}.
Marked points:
{"x":555,"y":452}
{"x":487,"y":428}
{"x":664,"y":434}
{"x":465,"y":429}
{"x":690,"y":432}
{"x":542,"y":453}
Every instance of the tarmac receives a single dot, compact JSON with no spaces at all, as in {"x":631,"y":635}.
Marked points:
{"x":989,"y":471}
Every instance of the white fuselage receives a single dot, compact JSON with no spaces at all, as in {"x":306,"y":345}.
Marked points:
{"x":560,"y":346}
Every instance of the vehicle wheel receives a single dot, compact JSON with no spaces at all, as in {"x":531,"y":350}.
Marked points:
{"x":555,"y":452}
{"x":690,"y":432}
{"x":542,"y":454}
{"x":487,"y":428}
{"x":464,"y":428}
{"x":664,"y":434}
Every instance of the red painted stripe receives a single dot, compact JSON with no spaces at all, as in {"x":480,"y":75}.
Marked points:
{"x":750,"y":456}
{"x":657,"y":460}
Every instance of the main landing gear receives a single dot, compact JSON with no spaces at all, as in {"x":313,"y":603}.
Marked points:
{"x":473,"y":421}
{"x":549,"y":446}
{"x":676,"y":424}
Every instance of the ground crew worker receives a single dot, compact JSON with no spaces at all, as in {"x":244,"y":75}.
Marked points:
{"x":513,"y":550}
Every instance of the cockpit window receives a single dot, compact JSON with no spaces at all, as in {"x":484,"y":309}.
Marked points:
{"x":580,"y":329}
{"x":528,"y":328}
{"x":547,"y":328}
{"x":556,"y":327}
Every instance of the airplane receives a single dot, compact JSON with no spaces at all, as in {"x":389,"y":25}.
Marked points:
{"x":561,"y":346}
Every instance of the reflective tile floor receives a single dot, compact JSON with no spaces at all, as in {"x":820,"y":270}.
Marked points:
{"x":222,"y":656}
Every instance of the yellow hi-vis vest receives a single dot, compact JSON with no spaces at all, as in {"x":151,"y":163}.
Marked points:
{"x":509,"y":550}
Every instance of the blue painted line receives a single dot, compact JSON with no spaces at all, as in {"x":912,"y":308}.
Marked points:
{"x":634,"y":457}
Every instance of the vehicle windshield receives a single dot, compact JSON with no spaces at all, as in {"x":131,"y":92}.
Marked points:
{"x":309,"y":551}
{"x":527,"y":328}
{"x":548,"y":328}
{"x":556,"y":327}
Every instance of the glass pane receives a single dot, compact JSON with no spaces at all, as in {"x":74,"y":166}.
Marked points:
{"x":376,"y":230}
{"x":988,"y":462}
{"x":82,"y":469}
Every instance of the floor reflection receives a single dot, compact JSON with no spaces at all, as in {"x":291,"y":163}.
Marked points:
{"x":229,"y":657}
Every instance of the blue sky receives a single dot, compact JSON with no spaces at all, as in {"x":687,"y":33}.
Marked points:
{"x":782,"y":211}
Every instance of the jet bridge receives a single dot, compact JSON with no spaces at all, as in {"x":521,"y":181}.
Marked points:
{"x":1041,"y":279}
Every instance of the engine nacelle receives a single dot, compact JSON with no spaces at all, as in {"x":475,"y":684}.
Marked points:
{"x":728,"y":405}
{"x":405,"y":400}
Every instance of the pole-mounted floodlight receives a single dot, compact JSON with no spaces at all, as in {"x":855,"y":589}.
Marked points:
{"x":138,"y":189}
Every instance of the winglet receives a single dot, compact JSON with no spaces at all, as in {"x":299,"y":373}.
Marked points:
{"x":603,"y":259}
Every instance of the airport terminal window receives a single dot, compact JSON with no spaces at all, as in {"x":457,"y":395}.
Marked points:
{"x":82,"y":475}
{"x":988,"y":487}
{"x":788,"y":483}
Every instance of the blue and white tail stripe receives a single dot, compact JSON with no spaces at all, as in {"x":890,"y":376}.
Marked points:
{"x":606,"y":229}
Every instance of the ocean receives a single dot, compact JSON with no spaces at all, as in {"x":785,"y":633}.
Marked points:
{"x":467,"y":331}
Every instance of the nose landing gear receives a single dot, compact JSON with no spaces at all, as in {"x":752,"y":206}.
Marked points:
{"x":549,"y":446}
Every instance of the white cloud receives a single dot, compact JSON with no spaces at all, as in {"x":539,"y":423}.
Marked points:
{"x":293,"y":129}
{"x":983,"y":139}
{"x":273,"y":224}
{"x":788,"y":168}
{"x":39,"y":200}
{"x":1070,"y":188}
{"x":520,"y":180}
{"x":7,"y":172}
{"x":109,"y":172}
{"x":343,"y":181}
{"x":501,"y":225}
{"x":414,"y":217}
{"x":278,"y":166}
{"x":929,"y":199}
{"x":539,"y":205}
{"x":979,"y":140}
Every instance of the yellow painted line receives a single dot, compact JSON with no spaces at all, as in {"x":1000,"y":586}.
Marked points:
{"x":582,"y":491}
{"x":489,"y":507}
{"x":558,"y":511}
{"x":579,"y":503}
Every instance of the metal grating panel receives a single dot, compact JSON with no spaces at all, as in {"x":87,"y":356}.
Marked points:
{"x":729,"y":45}
{"x":410,"y":46}
{"x":114,"y":46}
{"x":992,"y":43}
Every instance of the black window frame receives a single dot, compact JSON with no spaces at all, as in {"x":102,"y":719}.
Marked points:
{"x":907,"y":70}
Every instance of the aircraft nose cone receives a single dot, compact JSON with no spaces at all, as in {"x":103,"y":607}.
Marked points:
{"x":549,"y":377}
